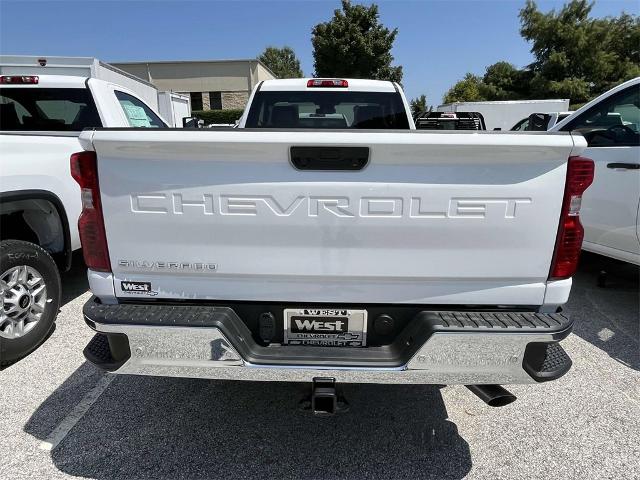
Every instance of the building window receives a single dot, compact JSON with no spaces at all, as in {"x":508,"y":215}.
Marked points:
{"x":215,"y":100}
{"x":196,"y":100}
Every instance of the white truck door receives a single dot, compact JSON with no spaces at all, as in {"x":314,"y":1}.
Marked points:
{"x":610,"y":206}
{"x":610,"y":209}
{"x":638,"y":223}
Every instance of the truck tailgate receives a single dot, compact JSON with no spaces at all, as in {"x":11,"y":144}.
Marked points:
{"x":439,"y":218}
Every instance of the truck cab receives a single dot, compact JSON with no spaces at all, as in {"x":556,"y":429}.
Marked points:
{"x":450,"y":121}
{"x":539,"y":122}
{"x":327,"y":104}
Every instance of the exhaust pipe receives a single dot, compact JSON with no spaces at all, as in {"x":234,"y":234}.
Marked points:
{"x":493,"y":395}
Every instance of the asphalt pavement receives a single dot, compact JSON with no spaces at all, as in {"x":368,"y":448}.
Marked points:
{"x":61,"y":417}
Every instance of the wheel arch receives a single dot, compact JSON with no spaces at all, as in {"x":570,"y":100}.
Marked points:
{"x":63,"y":258}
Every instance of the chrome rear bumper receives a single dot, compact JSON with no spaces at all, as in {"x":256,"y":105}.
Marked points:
{"x":182,"y":347}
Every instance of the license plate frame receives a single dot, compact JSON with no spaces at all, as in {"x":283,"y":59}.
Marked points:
{"x":327,"y":327}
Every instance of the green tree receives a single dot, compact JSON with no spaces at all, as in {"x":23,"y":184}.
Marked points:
{"x":418,"y":105}
{"x":503,"y":81}
{"x":469,"y":89}
{"x":282,"y":62}
{"x":502,"y":75}
{"x":577,"y":56}
{"x":354,"y":44}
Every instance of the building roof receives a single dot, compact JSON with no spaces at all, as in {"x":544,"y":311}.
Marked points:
{"x":232,"y":60}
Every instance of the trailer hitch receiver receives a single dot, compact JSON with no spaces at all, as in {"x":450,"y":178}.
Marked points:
{"x":324,"y":400}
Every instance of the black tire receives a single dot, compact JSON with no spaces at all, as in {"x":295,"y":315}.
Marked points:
{"x":12,"y":254}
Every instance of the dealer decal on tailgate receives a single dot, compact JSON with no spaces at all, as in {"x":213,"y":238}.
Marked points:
{"x":137,"y":288}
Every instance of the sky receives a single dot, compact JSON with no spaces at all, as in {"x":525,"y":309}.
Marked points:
{"x":438,"y":40}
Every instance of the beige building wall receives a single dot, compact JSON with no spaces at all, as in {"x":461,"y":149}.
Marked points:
{"x":206,"y":101}
{"x":264,"y":73}
{"x":233,"y":78}
{"x":234,"y":99}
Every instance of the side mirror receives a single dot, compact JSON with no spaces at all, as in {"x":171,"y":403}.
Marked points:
{"x":538,"y":122}
{"x":192,"y":122}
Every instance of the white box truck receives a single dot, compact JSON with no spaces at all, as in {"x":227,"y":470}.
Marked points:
{"x":174,"y":107}
{"x":86,"y":67}
{"x":504,"y":115}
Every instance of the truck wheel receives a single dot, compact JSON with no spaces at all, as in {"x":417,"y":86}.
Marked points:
{"x":29,"y":298}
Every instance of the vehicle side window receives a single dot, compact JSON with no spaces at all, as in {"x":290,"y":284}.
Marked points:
{"x":138,"y":114}
{"x":521,"y":125}
{"x":613,"y":122}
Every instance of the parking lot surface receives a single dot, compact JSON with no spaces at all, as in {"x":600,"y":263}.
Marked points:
{"x":62,"y":418}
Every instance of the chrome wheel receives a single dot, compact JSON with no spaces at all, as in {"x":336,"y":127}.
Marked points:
{"x":23,"y":294}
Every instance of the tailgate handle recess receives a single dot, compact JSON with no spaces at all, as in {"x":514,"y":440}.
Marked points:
{"x":329,"y":158}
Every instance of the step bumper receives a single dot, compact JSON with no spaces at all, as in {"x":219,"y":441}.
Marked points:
{"x":437,"y":348}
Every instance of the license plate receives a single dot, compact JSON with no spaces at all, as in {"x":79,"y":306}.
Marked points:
{"x":325,"y":327}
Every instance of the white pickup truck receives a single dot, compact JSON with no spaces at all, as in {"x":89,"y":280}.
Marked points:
{"x":44,"y":105}
{"x":611,"y":207}
{"x":327,"y":240}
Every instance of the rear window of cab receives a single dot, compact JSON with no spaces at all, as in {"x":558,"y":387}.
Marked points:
{"x":327,"y":110}
{"x":47,"y":109}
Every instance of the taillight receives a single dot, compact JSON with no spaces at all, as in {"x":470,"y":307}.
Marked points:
{"x":84,"y":169}
{"x":19,"y":79}
{"x":570,"y":232}
{"x":327,"y":83}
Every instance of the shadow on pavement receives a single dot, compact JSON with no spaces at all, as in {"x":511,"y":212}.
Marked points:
{"x":609,"y":317}
{"x":150,"y":427}
{"x":74,"y":282}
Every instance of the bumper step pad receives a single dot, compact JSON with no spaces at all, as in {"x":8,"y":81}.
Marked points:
{"x":546,"y":361}
{"x":210,"y":316}
{"x":99,"y":351}
{"x":508,"y":321}
{"x":157,"y":315}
